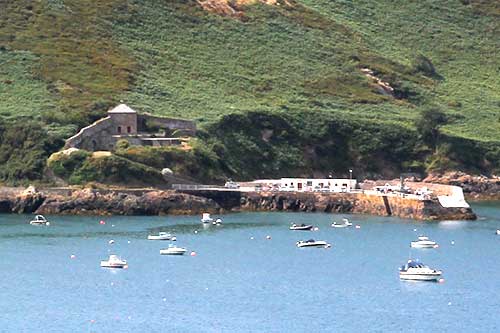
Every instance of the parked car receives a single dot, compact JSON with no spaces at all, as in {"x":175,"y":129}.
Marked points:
{"x":232,"y":185}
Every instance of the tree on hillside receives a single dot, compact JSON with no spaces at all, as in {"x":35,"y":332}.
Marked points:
{"x":428,"y":125}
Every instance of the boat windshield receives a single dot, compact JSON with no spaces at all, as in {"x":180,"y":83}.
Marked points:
{"x":414,"y":264}
{"x":310,"y":241}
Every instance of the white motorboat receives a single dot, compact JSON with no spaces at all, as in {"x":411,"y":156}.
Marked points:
{"x":39,"y":220}
{"x":114,"y":262}
{"x":218,"y":221}
{"x":301,"y":227}
{"x":340,"y":225}
{"x":498,"y":232}
{"x":414,"y":270}
{"x":173,"y":250}
{"x":206,"y":218}
{"x":162,"y":236}
{"x":313,"y":243}
{"x":346,"y":222}
{"x":424,"y":242}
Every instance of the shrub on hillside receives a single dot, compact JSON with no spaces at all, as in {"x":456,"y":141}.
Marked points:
{"x":24,"y":148}
{"x":115,"y":169}
{"x":63,"y":165}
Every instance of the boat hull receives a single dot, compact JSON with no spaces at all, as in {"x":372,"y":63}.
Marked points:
{"x":105,"y":264}
{"x":420,"y":277}
{"x":161,"y":238}
{"x":340,"y":225}
{"x":39,"y":223}
{"x":173,"y":252}
{"x":317,"y":244}
{"x":305,"y":228}
{"x":423,"y":245}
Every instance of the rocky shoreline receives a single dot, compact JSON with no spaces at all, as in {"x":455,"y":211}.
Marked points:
{"x":157,"y":202}
{"x":103,"y":202}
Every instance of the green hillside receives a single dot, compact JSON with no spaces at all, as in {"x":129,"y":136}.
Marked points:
{"x":294,"y":69}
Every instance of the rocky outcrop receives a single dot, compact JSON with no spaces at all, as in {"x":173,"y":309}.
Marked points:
{"x":235,"y":8}
{"x":474,"y":187}
{"x":120,"y":203}
{"x":96,"y":202}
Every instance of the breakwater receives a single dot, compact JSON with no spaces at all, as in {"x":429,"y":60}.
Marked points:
{"x":156,"y":202}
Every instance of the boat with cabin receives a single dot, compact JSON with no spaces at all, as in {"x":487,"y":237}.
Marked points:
{"x":313,"y":243}
{"x":424,"y":242}
{"x":417,"y":271}
{"x":162,"y":236}
{"x":303,"y":227}
{"x":39,"y":220}
{"x":173,"y":250}
{"x":114,"y":262}
{"x":345,"y":223}
{"x":206,"y":218}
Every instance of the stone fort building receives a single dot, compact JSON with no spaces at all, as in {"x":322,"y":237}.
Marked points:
{"x":125,"y":123}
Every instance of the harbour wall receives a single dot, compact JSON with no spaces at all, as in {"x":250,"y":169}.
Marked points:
{"x":353,"y":203}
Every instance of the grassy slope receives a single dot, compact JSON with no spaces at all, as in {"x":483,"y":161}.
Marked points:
{"x":68,"y":60}
{"x":461,"y":40}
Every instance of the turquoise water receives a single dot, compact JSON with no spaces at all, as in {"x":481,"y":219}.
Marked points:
{"x":239,"y":284}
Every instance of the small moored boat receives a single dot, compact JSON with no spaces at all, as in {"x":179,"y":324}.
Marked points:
{"x":162,"y":236}
{"x":424,"y":242}
{"x":346,"y":222}
{"x":39,"y":220}
{"x":301,"y":227}
{"x":313,"y":243}
{"x":218,"y":221}
{"x":414,"y":270}
{"x":498,"y":232}
{"x":114,"y":262}
{"x":173,"y":250}
{"x":206,"y":218}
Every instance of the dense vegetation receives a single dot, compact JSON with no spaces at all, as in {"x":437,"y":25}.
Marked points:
{"x":277,"y":91}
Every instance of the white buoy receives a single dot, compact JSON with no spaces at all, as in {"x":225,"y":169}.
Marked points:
{"x":452,"y":242}
{"x":358,"y":226}
{"x":72,"y":256}
{"x":316,"y":228}
{"x":196,"y":231}
{"x":251,"y":237}
{"x":128,"y":242}
{"x":111,"y":241}
{"x":268,"y":237}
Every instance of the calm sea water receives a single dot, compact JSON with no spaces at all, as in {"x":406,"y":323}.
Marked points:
{"x":239,"y":284}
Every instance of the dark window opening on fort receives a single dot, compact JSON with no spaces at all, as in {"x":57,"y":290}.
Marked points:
{"x":129,"y":129}
{"x":119,"y":129}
